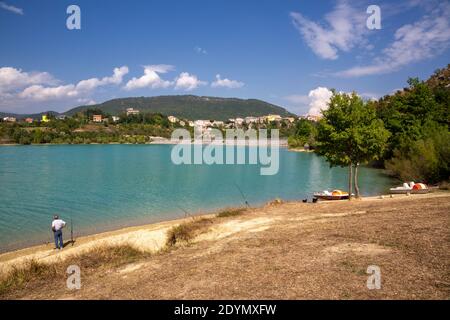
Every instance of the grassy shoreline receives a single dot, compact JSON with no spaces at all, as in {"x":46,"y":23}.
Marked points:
{"x":328,"y":241}
{"x":83,"y":237}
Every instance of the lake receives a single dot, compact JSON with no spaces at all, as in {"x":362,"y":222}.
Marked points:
{"x":103,"y":187}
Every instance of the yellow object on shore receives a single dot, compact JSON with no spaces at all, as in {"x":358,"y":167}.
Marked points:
{"x":339,"y":193}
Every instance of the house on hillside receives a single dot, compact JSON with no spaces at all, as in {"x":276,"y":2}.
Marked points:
{"x":218,"y":123}
{"x":28,"y":120}
{"x":115,"y":118}
{"x":97,"y":118}
{"x":249,"y":120}
{"x":202,"y":123}
{"x":313,"y":117}
{"x":273,"y":118}
{"x":173,"y":119}
{"x":9,"y":119}
{"x":289,"y":119}
{"x":45,"y":118}
{"x":239,"y":121}
{"x":132,"y":111}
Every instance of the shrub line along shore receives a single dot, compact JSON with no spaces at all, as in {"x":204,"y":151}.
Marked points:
{"x":160,"y":141}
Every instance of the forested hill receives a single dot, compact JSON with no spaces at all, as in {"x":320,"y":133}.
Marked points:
{"x":189,"y":107}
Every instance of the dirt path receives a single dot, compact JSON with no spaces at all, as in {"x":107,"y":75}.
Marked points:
{"x":294,"y":251}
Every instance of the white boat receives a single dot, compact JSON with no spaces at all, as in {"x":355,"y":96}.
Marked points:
{"x":334,"y":195}
{"x":412,"y":187}
{"x":406,"y":188}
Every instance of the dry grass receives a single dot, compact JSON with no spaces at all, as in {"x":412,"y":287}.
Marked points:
{"x":303,"y":251}
{"x":232,"y":212}
{"x":185,"y":232}
{"x":30,"y":274}
{"x":34,"y":274}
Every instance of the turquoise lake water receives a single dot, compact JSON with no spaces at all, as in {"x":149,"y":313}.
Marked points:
{"x":103,"y":187}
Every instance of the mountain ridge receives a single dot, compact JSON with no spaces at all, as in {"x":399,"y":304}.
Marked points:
{"x":189,"y":107}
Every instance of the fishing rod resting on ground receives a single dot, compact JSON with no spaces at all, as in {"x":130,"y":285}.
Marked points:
{"x":71,"y":231}
{"x":243,"y":195}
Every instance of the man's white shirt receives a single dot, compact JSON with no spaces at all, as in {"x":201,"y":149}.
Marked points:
{"x":58,"y":224}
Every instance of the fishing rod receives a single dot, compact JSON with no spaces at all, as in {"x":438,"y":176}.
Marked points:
{"x":71,"y":230}
{"x":186,"y":213}
{"x":243,"y":195}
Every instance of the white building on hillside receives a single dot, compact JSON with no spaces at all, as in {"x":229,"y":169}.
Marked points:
{"x":9,"y":119}
{"x":173,"y":119}
{"x":250,"y":120}
{"x":132,"y":111}
{"x":218,"y":123}
{"x":239,"y":121}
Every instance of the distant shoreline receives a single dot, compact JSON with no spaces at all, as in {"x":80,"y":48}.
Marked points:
{"x":300,"y":150}
{"x":282,"y":143}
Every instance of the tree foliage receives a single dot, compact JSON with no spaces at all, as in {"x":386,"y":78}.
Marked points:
{"x":350,"y":134}
{"x":418,"y":118}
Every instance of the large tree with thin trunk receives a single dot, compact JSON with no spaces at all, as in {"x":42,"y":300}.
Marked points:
{"x":350,"y":134}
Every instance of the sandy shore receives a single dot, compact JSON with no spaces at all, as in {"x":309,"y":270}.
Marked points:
{"x":285,"y":250}
{"x":148,"y":238}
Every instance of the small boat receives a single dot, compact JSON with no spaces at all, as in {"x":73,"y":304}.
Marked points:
{"x":405,"y":188}
{"x":333,"y":195}
{"x":412,"y":187}
{"x":420,"y":188}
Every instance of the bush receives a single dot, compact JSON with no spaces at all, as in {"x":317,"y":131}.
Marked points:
{"x":231,"y":212}
{"x":296,"y":142}
{"x":427,"y":159}
{"x":185,"y":232}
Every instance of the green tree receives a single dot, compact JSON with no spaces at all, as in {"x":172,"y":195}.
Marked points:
{"x":350,"y":134}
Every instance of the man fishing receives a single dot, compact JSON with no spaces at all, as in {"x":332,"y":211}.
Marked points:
{"x":57,"y":226}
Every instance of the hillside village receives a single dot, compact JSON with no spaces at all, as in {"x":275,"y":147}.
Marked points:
{"x":250,"y":121}
{"x":130,"y":126}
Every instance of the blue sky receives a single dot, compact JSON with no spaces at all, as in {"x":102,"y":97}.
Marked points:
{"x":282,"y":51}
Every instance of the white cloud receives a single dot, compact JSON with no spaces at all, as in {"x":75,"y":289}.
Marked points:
{"x":316,"y":101}
{"x":151,"y":78}
{"x":345,"y":31}
{"x":424,"y":39}
{"x":319,"y":99}
{"x":226,"y":83}
{"x":12,"y":79}
{"x":91,"y":84}
{"x":11,"y":8}
{"x":188,"y":82}
{"x":40,"y":86}
{"x":200,"y":50}
{"x":41,"y":93}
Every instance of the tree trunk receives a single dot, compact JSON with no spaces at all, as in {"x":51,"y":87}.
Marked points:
{"x":356,"y":181}
{"x":350,"y":181}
